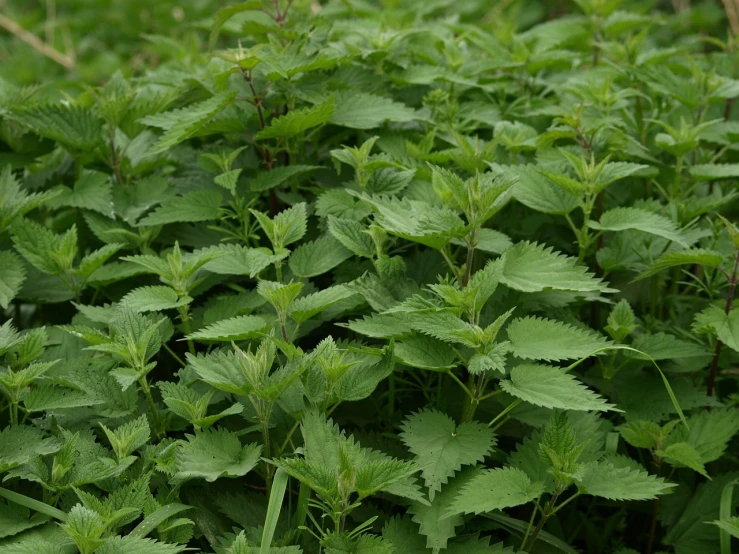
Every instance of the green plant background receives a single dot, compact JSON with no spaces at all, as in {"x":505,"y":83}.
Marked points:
{"x":368,"y":277}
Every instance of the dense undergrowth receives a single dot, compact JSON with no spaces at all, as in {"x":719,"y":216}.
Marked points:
{"x":368,"y":277}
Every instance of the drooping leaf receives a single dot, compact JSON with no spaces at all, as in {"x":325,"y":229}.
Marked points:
{"x":495,"y":489}
{"x":551,"y":387}
{"x":530,"y":267}
{"x":604,"y":480}
{"x":183,"y":123}
{"x":534,"y":338}
{"x":620,"y":219}
{"x":298,"y":121}
{"x":236,"y":328}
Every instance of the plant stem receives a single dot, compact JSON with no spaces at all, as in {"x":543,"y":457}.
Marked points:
{"x":264,"y":420}
{"x":36,"y":43}
{"x":470,"y":258}
{"x":719,"y":344}
{"x":530,"y":525}
{"x":449,"y":262}
{"x":461,"y":384}
{"x":474,"y":400}
{"x":172,"y":353}
{"x":185,"y":317}
{"x":548,"y":511}
{"x":13,"y":406}
{"x":150,"y":400}
{"x":510,"y":407}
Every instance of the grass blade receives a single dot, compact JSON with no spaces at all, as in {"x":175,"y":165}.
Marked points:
{"x":153,"y":520}
{"x":276,"y":497}
{"x":35,"y":505}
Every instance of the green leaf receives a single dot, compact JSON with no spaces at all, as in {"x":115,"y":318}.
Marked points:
{"x":488,"y":240}
{"x":530,"y":267}
{"x":495,"y":489}
{"x":424,"y":352}
{"x":551,"y":387}
{"x":33,"y":504}
{"x":615,"y":171}
{"x":41,"y":247}
{"x":201,"y":205}
{"x":730,"y":525}
{"x":352,"y":235}
{"x":621,"y":219}
{"x":709,"y":433}
{"x":226,"y":13}
{"x":359,"y":110}
{"x":445,"y":326}
{"x":153,"y":520}
{"x":129,"y":437}
{"x":318,"y":257}
{"x":154,"y":299}
{"x":12,"y":275}
{"x":536,"y":192}
{"x":605,"y":480}
{"x":712,"y":172}
{"x":662,"y":346}
{"x":434,"y":521}
{"x":241,"y":260}
{"x":220,"y":370}
{"x":133,"y":545}
{"x":682,"y":454}
{"x":279,"y":295}
{"x":92,"y":191}
{"x":212,"y":454}
{"x":75,"y":127}
{"x":183,"y":123}
{"x":286,"y":227}
{"x":49,"y":398}
{"x":306,"y":307}
{"x":726,"y":328}
{"x":15,"y":201}
{"x":534,"y":338}
{"x":443,"y":447}
{"x":621,"y":321}
{"x":298,"y":121}
{"x":236,"y":328}
{"x":276,"y":498}
{"x":266,"y":180}
{"x":15,"y":519}
{"x":694,"y":256}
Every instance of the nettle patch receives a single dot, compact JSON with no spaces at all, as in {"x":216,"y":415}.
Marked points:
{"x":396,"y":277}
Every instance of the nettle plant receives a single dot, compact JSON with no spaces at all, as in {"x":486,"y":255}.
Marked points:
{"x":375,"y":277}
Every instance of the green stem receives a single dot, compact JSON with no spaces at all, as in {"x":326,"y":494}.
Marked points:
{"x":474,"y":401}
{"x":461,"y":384}
{"x":13,"y":406}
{"x":548,"y":511}
{"x":470,"y":259}
{"x":172,"y":353}
{"x":185,"y":317}
{"x":530,"y":525}
{"x":267,"y":451}
{"x":510,"y":407}
{"x":449,"y":262}
{"x":288,"y":437}
{"x":678,"y":176}
{"x":150,"y":400}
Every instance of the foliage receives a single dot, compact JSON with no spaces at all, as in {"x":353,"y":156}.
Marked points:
{"x":368,"y":277}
